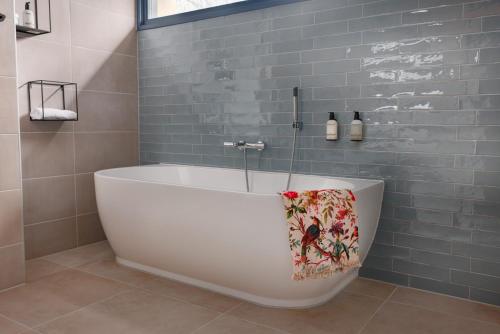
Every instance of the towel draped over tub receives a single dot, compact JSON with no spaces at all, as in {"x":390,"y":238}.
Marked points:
{"x":323,"y":232}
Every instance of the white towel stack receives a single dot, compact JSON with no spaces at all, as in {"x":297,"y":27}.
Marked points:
{"x":53,"y":114}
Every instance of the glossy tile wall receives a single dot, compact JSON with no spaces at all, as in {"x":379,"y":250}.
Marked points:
{"x":93,"y":43}
{"x":11,"y":225}
{"x":425,"y":75}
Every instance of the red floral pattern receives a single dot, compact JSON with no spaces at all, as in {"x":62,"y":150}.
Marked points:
{"x":323,"y":232}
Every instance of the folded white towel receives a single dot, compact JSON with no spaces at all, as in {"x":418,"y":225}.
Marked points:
{"x":53,"y":114}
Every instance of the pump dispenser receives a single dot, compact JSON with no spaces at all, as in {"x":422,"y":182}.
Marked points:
{"x":331,"y":127}
{"x":356,"y":128}
{"x":28,"y":16}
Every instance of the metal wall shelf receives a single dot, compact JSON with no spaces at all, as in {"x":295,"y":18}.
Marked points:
{"x":31,"y":31}
{"x":24,"y":30}
{"x":62,"y":88}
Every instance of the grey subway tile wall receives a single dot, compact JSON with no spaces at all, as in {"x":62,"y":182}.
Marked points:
{"x":425,"y":76}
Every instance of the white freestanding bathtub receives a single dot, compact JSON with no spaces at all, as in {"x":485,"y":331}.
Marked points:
{"x":199,"y":226}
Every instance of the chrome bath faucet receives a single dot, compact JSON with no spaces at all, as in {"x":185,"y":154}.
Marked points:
{"x":243,"y":145}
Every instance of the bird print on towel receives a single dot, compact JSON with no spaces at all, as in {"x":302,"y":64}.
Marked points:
{"x":312,"y":233}
{"x":323,"y":231}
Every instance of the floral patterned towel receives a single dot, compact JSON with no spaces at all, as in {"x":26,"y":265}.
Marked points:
{"x":323,"y":232}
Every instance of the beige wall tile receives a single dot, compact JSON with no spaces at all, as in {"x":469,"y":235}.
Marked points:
{"x":105,"y":150}
{"x":7,"y":41}
{"x":85,"y":194}
{"x":48,"y":198}
{"x":123,"y":7}
{"x":104,"y":71}
{"x":89,"y":229}
{"x":106,"y":111}
{"x":12,"y":264}
{"x":106,"y":31}
{"x":9,"y":156}
{"x":48,"y":148}
{"x":61,"y":26}
{"x":8,"y":105}
{"x":55,"y":57}
{"x":47,"y":238}
{"x":10,"y":218}
{"x":6,"y":6}
{"x":47,"y":154}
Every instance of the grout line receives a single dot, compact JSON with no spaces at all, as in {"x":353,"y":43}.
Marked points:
{"x":217,"y":317}
{"x":12,"y":245}
{"x":378,"y":309}
{"x":79,"y":309}
{"x":447,"y":313}
{"x":16,"y":322}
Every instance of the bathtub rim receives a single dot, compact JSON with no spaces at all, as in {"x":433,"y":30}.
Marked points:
{"x":350,"y":275}
{"x":101,"y":173}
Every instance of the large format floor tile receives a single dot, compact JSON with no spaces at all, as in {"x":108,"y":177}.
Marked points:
{"x":398,"y":318}
{"x":232,"y":325}
{"x":190,"y":294}
{"x":453,"y":306}
{"x":10,"y":327}
{"x":371,"y":288}
{"x":161,"y":286}
{"x":82,"y":255}
{"x":346,"y":313}
{"x":112,"y":270}
{"x":38,"y":268}
{"x":84,"y":290}
{"x":133,"y":312}
{"x":55,"y":295}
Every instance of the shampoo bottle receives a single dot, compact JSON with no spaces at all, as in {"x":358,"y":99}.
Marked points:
{"x":28,"y":16}
{"x":356,"y":128}
{"x":332,"y":128}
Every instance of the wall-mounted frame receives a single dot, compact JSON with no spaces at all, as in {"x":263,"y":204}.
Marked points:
{"x":38,"y":29}
{"x":145,"y":22}
{"x":59,"y":87}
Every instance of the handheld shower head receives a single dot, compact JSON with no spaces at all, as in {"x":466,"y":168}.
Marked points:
{"x":296,"y":123}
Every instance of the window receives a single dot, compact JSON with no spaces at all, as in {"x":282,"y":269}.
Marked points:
{"x":160,"y":13}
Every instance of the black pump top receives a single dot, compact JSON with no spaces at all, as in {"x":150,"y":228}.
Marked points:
{"x":295,"y":91}
{"x":27,"y":5}
{"x":331,"y":116}
{"x":356,"y":116}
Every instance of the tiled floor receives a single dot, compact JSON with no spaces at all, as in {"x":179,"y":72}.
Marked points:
{"x":85,"y":291}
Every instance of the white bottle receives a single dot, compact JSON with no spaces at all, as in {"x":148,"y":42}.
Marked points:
{"x":331,"y":128}
{"x":356,"y":128}
{"x":28,"y":16}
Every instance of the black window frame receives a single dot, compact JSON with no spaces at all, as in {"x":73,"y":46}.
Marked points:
{"x":143,"y":22}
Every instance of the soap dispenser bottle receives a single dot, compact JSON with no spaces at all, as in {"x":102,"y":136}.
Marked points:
{"x":28,"y":16}
{"x":331,"y":127}
{"x":356,"y":128}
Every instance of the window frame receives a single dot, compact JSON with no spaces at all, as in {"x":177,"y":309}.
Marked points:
{"x":143,"y":22}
